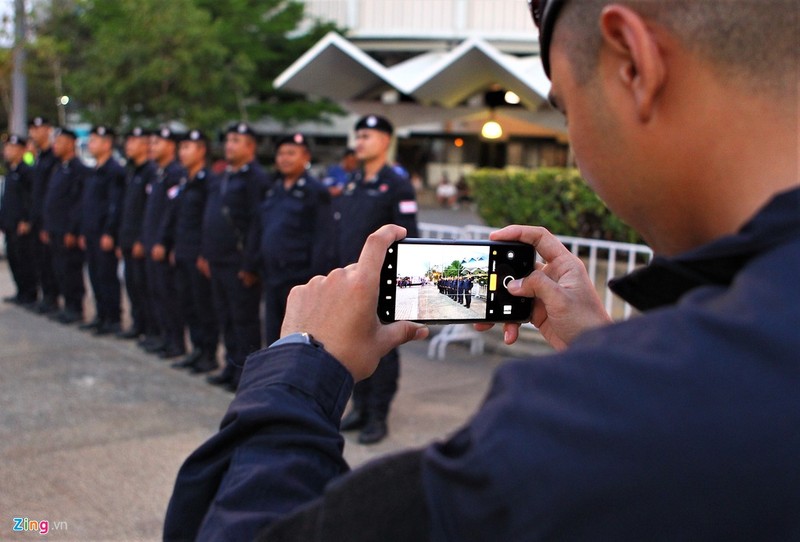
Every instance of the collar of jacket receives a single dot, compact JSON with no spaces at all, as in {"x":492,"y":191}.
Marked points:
{"x":666,"y":280}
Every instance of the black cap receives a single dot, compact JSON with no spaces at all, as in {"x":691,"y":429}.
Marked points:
{"x":14,"y":139}
{"x":195,"y":135}
{"x":138,"y":131}
{"x":103,"y":131}
{"x":295,"y":139}
{"x":66,"y":132}
{"x":167,"y":133}
{"x":375,"y":122}
{"x":38,"y":121}
{"x":241,"y":128}
{"x":545,"y":13}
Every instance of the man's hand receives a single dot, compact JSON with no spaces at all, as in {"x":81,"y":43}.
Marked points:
{"x":44,"y":237}
{"x":565,"y":303}
{"x":106,"y":243}
{"x":138,"y":250}
{"x":82,"y":242}
{"x":203,"y":267}
{"x":340,"y":310}
{"x":23,"y":228}
{"x":248,"y":279}
{"x":158,"y":253}
{"x":70,"y":240}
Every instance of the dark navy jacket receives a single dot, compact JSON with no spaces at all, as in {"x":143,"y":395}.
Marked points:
{"x":183,"y":229}
{"x":102,"y":200}
{"x":366,"y":205}
{"x":155,"y":212}
{"x":230,"y":222}
{"x":46,"y":163}
{"x":61,"y":212}
{"x":134,"y":202}
{"x":17,"y":192}
{"x":296,"y":232}
{"x":680,"y":424}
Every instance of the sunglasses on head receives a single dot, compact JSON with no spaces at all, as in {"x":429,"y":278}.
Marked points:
{"x":545,"y":13}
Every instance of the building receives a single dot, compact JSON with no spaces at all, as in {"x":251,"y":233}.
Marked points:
{"x":440,"y":70}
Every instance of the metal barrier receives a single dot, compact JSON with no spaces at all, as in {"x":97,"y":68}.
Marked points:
{"x":604,"y":260}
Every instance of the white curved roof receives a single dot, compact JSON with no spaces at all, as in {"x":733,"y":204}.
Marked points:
{"x":337,"y":69}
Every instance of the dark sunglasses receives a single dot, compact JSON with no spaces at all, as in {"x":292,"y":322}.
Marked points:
{"x":545,"y":13}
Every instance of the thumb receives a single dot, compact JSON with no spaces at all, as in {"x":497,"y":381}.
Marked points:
{"x":397,"y":333}
{"x":537,"y":284}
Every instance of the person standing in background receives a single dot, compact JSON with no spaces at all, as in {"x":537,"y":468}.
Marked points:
{"x":15,"y":220}
{"x":229,"y":255}
{"x":100,"y":211}
{"x":41,"y":133}
{"x":184,"y":233}
{"x":61,"y":225}
{"x":376,"y":195}
{"x":296,"y":227}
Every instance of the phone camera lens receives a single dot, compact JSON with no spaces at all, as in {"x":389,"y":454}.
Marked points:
{"x":510,"y":255}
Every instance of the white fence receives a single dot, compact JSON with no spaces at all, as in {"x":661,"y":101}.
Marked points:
{"x":604,"y":260}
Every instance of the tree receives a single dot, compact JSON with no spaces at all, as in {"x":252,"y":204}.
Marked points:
{"x":262,"y":40}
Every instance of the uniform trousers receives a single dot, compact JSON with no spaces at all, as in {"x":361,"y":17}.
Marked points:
{"x":68,"y":269}
{"x":237,"y":315}
{"x":43,"y":267}
{"x":102,"y":266}
{"x":19,"y":250}
{"x":275,"y":309}
{"x":197,"y":306}
{"x":374,"y":395}
{"x":164,"y":306}
{"x":136,"y":286}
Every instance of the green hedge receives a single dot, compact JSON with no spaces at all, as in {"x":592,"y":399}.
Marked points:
{"x":556,"y":198}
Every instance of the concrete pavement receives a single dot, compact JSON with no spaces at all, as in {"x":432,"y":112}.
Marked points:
{"x":93,"y":430}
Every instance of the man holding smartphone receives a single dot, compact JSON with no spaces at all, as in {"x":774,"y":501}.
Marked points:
{"x":679,"y":424}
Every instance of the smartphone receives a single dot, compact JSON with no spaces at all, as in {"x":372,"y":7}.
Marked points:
{"x":437,"y":281}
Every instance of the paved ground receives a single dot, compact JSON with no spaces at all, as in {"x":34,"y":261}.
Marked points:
{"x":93,"y":431}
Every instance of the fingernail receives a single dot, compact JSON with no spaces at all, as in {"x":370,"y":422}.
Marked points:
{"x":515,"y":284}
{"x":506,"y":337}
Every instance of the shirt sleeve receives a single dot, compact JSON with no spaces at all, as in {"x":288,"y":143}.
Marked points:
{"x":277,"y":448}
{"x":405,"y":207}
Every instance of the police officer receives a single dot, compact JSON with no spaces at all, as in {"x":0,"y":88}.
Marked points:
{"x":15,"y":220}
{"x":296,"y":226}
{"x":141,"y":173}
{"x":468,"y":283}
{"x":41,"y":133}
{"x":230,"y":255}
{"x":61,"y":225}
{"x":184,"y":233}
{"x":101,"y":206}
{"x":162,"y":295}
{"x":375,"y":196}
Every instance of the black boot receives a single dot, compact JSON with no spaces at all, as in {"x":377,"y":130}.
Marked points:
{"x":356,"y":419}
{"x":374,"y":431}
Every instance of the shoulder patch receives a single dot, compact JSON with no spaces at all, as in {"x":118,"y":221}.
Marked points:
{"x":408,"y":207}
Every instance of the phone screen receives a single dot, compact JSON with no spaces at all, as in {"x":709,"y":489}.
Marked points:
{"x":435,"y":281}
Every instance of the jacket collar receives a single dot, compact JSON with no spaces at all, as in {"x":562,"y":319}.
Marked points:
{"x":666,"y":280}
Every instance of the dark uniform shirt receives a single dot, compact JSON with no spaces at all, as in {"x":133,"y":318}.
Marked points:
{"x":184,"y":227}
{"x":230,"y":221}
{"x":102,"y":200}
{"x":134,"y":202}
{"x":46,"y":163}
{"x":296,"y":231}
{"x":62,"y":203}
{"x":366,"y":205}
{"x":17,"y":192}
{"x":155,"y":212}
{"x":680,"y":424}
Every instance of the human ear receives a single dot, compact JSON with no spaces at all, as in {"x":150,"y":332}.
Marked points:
{"x":635,"y":49}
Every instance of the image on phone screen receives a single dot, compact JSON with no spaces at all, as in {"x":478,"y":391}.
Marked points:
{"x":456,"y":281}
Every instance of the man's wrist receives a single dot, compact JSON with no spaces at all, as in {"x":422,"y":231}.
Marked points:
{"x":298,"y":338}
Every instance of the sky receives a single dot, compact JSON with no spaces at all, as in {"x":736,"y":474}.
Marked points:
{"x":413,"y":260}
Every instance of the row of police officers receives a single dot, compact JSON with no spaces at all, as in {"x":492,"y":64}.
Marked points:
{"x":201,"y":250}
